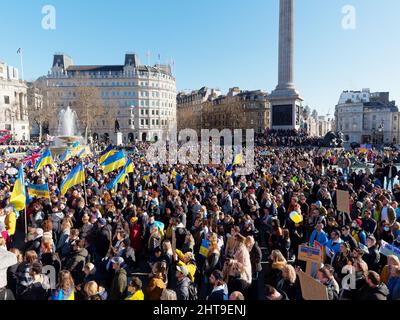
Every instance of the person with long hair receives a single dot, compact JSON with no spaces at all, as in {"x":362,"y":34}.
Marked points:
{"x":157,"y":280}
{"x":274,"y":269}
{"x":65,"y":289}
{"x":290,"y":283}
{"x":213,"y":256}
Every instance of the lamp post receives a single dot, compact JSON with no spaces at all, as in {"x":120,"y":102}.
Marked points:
{"x":380,"y":130}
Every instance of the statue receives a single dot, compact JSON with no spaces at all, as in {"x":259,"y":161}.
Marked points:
{"x":117,"y":128}
{"x":333,"y":140}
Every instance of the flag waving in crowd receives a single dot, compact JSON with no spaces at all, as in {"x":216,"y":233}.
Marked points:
{"x":18,"y":195}
{"x":113,"y":162}
{"x":39,"y":190}
{"x":76,"y":176}
{"x":106,"y":153}
{"x":128,"y":168}
{"x":44,"y":160}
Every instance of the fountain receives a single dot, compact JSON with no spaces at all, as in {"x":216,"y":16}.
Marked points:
{"x":66,"y":132}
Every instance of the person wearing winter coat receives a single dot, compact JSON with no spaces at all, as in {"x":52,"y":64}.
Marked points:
{"x":76,"y":261}
{"x":375,"y":289}
{"x":372,"y":258}
{"x":39,"y":289}
{"x":182,"y":283}
{"x":325,"y":276}
{"x":7,"y":259}
{"x":242,"y":256}
{"x":219,"y":290}
{"x":394,"y":284}
{"x":119,"y":281}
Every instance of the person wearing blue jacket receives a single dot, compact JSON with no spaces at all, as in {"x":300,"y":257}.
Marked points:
{"x":333,"y":245}
{"x":394,"y":284}
{"x":318,"y":235}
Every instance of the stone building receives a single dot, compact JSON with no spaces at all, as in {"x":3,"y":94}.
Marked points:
{"x":13,"y":103}
{"x":144,"y":96}
{"x":367,"y":117}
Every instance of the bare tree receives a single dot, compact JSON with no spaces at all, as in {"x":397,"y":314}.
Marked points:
{"x":42,"y":105}
{"x":88,"y":105}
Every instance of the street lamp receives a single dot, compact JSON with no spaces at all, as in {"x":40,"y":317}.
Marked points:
{"x":380,"y":130}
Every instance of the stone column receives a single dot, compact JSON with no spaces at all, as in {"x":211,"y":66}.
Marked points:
{"x":286,"y":44}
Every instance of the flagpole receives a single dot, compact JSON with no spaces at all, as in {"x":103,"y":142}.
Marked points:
{"x":84,"y":183}
{"x":26,"y":222}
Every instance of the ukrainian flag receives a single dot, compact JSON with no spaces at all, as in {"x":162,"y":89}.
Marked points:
{"x":237,"y":159}
{"x":178,"y":180}
{"x":109,"y":151}
{"x":113,"y":162}
{"x":83,"y":153}
{"x":66,"y":155}
{"x":146,"y":176}
{"x":205,"y":244}
{"x":128,"y":168}
{"x":44,"y":160}
{"x":18,"y":195}
{"x":39,"y":190}
{"x":76,"y":176}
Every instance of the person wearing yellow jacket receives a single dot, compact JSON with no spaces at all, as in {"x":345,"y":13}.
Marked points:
{"x":135,"y":290}
{"x":187,"y":260}
{"x":10,"y":222}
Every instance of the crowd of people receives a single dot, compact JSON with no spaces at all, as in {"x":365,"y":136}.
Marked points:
{"x":208,"y":236}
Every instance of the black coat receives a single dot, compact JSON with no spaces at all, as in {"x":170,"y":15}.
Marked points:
{"x":255,"y":258}
{"x":75,"y":264}
{"x":372,"y":259}
{"x":379,"y":293}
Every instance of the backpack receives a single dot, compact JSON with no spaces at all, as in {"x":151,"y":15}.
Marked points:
{"x":193,"y":291}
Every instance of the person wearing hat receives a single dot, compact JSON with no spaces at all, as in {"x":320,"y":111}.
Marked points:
{"x":120,"y":279}
{"x":219,"y":288}
{"x":357,"y":232}
{"x":182,"y":282}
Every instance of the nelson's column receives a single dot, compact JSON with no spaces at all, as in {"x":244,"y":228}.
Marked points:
{"x":285,"y":100}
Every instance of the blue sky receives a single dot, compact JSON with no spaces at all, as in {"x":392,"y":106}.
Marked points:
{"x":216,"y":43}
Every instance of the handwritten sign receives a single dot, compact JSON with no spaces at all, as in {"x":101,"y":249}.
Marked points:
{"x":343,"y":201}
{"x":388,"y":249}
{"x":307,"y":253}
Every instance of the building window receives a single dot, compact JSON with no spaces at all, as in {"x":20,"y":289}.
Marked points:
{"x":141,"y":122}
{"x":6,"y":99}
{"x":147,"y":122}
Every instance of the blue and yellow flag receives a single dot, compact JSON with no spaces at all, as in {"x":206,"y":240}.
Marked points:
{"x":18,"y":195}
{"x":39,"y":190}
{"x":107,"y":152}
{"x":44,"y":160}
{"x":113,"y":162}
{"x":178,"y":180}
{"x":237,"y":159}
{"x":66,"y":155}
{"x":83,"y":153}
{"x":76,"y":176}
{"x":128,"y":168}
{"x":205,"y":244}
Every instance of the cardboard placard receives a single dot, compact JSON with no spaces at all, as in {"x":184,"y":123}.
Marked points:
{"x":343,"y":201}
{"x":309,"y":254}
{"x":311,"y":289}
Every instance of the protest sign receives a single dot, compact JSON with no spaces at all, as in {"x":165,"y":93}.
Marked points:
{"x":311,"y":289}
{"x":388,"y":249}
{"x":313,"y":257}
{"x":343,"y":201}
